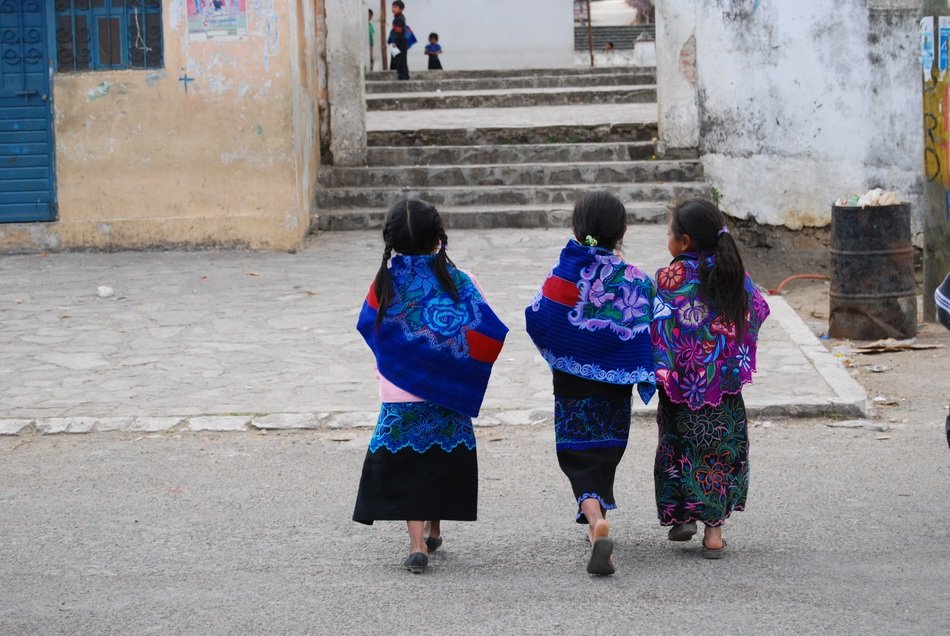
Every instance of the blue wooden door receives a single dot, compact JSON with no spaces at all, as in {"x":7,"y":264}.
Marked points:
{"x":26,"y":125}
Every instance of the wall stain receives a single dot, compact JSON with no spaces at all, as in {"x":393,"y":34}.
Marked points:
{"x":101,"y":90}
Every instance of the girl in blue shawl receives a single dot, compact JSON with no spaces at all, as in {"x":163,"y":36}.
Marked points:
{"x":591,"y":323}
{"x":435,"y":340}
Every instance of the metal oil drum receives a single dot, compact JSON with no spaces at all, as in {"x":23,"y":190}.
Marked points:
{"x":873,"y":289}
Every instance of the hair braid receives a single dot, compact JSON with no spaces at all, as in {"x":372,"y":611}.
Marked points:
{"x":383,"y":285}
{"x":442,"y":261}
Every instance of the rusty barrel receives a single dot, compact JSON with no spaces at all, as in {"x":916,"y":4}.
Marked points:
{"x":873,"y":289}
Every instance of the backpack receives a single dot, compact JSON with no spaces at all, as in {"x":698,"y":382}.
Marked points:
{"x":942,"y":296}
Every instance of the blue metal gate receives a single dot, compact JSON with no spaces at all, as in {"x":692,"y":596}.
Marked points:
{"x":26,"y":135}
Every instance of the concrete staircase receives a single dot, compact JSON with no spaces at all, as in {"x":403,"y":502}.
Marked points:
{"x":483,"y":175}
{"x":623,"y":37}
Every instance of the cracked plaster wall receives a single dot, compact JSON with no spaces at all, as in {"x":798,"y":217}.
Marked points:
{"x":793,"y":104}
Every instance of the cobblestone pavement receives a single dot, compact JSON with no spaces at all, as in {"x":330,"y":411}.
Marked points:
{"x":221,"y":340}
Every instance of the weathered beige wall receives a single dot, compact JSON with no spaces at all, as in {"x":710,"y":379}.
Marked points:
{"x":142,"y":163}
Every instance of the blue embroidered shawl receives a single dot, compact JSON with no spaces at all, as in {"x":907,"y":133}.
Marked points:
{"x":592,"y":316}
{"x":430,"y":345}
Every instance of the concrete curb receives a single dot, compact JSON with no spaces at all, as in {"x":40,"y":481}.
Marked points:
{"x":362,"y":420}
{"x":850,"y":398}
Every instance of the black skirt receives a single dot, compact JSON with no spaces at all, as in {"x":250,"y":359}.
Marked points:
{"x":435,"y":64}
{"x":591,"y":428}
{"x":421,"y":465}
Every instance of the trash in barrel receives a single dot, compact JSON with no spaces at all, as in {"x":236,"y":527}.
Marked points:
{"x":873,"y":289}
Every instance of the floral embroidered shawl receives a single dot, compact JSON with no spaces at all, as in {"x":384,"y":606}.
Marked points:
{"x":430,"y":345}
{"x":698,"y":357}
{"x":592,"y":316}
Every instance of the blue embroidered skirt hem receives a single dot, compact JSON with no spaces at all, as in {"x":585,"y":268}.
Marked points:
{"x":591,"y":437}
{"x":421,"y":465}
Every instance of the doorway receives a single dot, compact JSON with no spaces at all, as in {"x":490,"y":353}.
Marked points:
{"x":27,"y":178}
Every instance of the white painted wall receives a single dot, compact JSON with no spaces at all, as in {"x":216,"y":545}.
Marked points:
{"x":491,"y":34}
{"x":797,"y":103}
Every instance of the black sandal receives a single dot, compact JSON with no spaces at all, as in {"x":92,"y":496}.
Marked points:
{"x":600,"y":562}
{"x":416,"y":563}
{"x":433,"y":544}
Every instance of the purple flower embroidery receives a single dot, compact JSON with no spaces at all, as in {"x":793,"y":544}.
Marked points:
{"x":692,"y":314}
{"x":633,"y":305}
{"x":598,"y":295}
{"x":689,"y":353}
{"x":693,"y":387}
{"x":631,"y":273}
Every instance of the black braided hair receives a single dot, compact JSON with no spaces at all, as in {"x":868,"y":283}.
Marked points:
{"x":412,"y":228}
{"x":722,"y":286}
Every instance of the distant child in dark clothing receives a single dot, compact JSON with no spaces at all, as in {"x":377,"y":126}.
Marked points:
{"x":399,"y":38}
{"x":433,"y":51}
{"x":372,"y":40}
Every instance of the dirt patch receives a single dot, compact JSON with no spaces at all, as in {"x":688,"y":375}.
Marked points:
{"x":910,"y":387}
{"x":772,"y":253}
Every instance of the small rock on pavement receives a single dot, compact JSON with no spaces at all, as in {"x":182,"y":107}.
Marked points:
{"x":105,"y":291}
{"x":867,"y":425}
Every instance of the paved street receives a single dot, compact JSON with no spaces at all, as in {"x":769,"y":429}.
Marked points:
{"x":247,"y":533}
{"x":208,"y":340}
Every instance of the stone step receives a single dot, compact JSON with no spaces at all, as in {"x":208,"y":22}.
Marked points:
{"x":574,"y":134}
{"x":507,"y":153}
{"x":483,"y":216}
{"x":517,"y":195}
{"x":376,"y":76}
{"x":526,"y":174}
{"x":522,"y":97}
{"x":631,"y":78}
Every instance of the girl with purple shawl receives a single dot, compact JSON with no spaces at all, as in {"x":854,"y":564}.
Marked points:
{"x":591,"y":323}
{"x":705,"y":329}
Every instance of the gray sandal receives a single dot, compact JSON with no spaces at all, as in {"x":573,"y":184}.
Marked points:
{"x":682,"y":532}
{"x":709,"y":553}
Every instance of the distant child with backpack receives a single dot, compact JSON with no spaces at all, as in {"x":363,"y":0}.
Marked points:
{"x":704,"y":332}
{"x":400,"y":40}
{"x":434,"y":339}
{"x":433,"y":51}
{"x":591,"y":324}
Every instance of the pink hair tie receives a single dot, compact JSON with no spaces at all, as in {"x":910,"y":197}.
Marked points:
{"x":723,"y":230}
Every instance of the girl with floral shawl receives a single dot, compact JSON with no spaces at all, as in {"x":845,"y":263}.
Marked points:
{"x":591,"y":323}
{"x":705,"y":329}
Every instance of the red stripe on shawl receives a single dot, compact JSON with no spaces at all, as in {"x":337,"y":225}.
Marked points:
{"x":371,"y":298}
{"x":561,"y":291}
{"x":483,"y":348}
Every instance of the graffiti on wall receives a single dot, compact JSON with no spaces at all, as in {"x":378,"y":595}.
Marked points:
{"x":935,"y":60}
